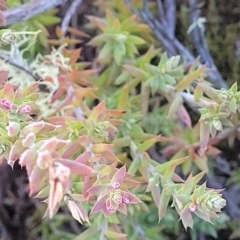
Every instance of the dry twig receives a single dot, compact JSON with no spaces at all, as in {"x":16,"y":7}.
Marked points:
{"x":69,"y":14}
{"x":18,"y":64}
{"x":28,"y":10}
{"x":164,"y":29}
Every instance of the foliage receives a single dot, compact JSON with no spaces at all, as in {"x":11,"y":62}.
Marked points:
{"x":85,"y":139}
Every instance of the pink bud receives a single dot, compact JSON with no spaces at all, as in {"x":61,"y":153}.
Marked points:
{"x":192,"y":207}
{"x":13,"y":129}
{"x":125,"y":200}
{"x":116,"y":185}
{"x":25,"y":109}
{"x":5,"y":103}
{"x":109,"y":207}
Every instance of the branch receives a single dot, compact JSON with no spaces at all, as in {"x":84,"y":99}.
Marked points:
{"x":171,"y":44}
{"x":18,"y":64}
{"x":70,"y":12}
{"x":200,"y":43}
{"x":170,"y":16}
{"x":160,"y":9}
{"x":28,"y":10}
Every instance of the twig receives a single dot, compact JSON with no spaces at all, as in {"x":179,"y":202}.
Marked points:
{"x":171,"y":44}
{"x":170,"y":16}
{"x":18,"y":64}
{"x":28,"y":10}
{"x":199,"y":40}
{"x":160,"y":9}
{"x":70,"y":12}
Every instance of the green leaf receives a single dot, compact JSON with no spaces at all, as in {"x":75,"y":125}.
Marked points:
{"x":163,"y":203}
{"x":114,"y":235}
{"x":131,"y":50}
{"x":122,"y":78}
{"x":188,"y":79}
{"x":198,"y":93}
{"x":191,"y":183}
{"x":150,"y":142}
{"x":211,"y":92}
{"x":176,"y":103}
{"x":134,"y":165}
{"x":169,"y":79}
{"x":234,"y":88}
{"x":170,"y":166}
{"x":187,"y":166}
{"x":123,"y":98}
{"x":106,"y":51}
{"x":134,"y":71}
{"x":233,"y":105}
{"x":119,"y":52}
{"x":100,"y":39}
{"x":163,"y":61}
{"x":90,"y":233}
{"x":173,"y":62}
{"x":135,"y":40}
{"x":48,"y":19}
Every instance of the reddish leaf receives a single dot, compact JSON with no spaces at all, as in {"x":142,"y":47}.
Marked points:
{"x":84,"y":157}
{"x":184,"y":116}
{"x":119,"y":175}
{"x":132,"y":199}
{"x":99,"y":204}
{"x":77,"y":167}
{"x":3,"y":76}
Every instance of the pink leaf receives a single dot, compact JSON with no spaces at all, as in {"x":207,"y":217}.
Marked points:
{"x":84,"y":140}
{"x":88,"y":182}
{"x":71,"y":150}
{"x":8,"y":90}
{"x":122,"y":208}
{"x":184,"y":116}
{"x":132,"y":199}
{"x":186,"y":217}
{"x":119,"y":175}
{"x":36,"y":179}
{"x":27,"y":157}
{"x":83,"y":158}
{"x":77,"y":167}
{"x":16,"y":151}
{"x":99,"y":204}
{"x":97,"y":189}
{"x":53,"y":144}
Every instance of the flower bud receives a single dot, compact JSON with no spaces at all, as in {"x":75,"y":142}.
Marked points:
{"x":25,"y":109}
{"x":116,"y":185}
{"x":125,"y":200}
{"x":192,"y":207}
{"x":5,"y":103}
{"x":218,"y":203}
{"x":13,"y":129}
